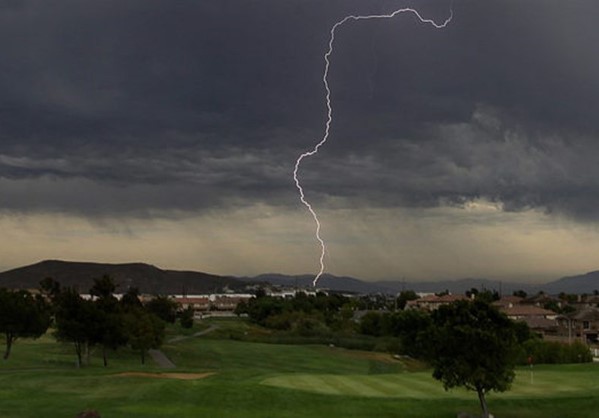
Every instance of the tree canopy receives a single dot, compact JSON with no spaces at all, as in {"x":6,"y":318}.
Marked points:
{"x":22,"y":315}
{"x":472,"y":344}
{"x":76,"y":321}
{"x":164,"y":308}
{"x":106,"y":321}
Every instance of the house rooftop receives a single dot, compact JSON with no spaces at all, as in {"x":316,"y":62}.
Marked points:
{"x":508,"y":300}
{"x":526,"y":310}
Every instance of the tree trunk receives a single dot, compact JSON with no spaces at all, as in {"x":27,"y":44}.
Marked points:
{"x":143,"y":357}
{"x":104,"y":356}
{"x":78,"y":351}
{"x":9,"y":340}
{"x":87,"y":353}
{"x":483,"y":402}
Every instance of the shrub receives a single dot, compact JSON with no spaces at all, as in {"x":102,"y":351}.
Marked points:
{"x":551,"y":352}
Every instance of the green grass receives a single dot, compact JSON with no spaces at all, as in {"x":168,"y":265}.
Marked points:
{"x":259,"y":380}
{"x":554,"y":381}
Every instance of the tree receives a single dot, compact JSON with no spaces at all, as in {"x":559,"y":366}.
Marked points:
{"x":372,"y":324}
{"x":144,"y":331}
{"x":520,"y":293}
{"x":164,"y":308}
{"x":472,"y":344}
{"x":404,"y":297}
{"x":186,"y":317}
{"x":130,"y":299}
{"x":50,"y":288}
{"x":103,"y":288}
{"x":408,"y":325}
{"x":471,"y":294}
{"x":487,"y":296}
{"x":76,"y":321}
{"x":22,"y":315}
{"x":109,"y":329}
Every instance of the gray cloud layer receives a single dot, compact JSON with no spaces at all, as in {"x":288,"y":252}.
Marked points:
{"x":145,"y":107}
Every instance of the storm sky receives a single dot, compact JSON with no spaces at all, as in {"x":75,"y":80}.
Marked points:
{"x":166,"y":132}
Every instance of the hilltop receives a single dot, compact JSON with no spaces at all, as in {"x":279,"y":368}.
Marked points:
{"x":147,"y":278}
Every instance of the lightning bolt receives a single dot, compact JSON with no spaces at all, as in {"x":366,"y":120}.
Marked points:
{"x":327,"y":130}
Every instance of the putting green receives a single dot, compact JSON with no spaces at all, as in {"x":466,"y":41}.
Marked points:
{"x":422,"y":386}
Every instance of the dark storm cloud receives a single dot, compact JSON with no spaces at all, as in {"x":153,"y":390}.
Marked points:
{"x":151,"y":106}
{"x":486,"y":157}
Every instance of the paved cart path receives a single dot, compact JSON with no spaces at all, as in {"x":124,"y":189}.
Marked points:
{"x":197,"y":334}
{"x":161,"y":359}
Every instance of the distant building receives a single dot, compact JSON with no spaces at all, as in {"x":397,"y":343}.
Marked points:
{"x":507,"y":302}
{"x":582,"y":325}
{"x":540,"y":321}
{"x":213,"y":302}
{"x":432,"y":302}
{"x":525,"y":312}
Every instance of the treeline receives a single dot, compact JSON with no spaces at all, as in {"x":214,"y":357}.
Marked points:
{"x":403,"y":331}
{"x":412,"y":326}
{"x":102,"y":321}
{"x":303,"y":314}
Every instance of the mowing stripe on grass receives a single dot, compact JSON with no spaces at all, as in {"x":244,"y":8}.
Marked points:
{"x":423,"y":386}
{"x":383,"y":386}
{"x":357,"y":386}
{"x":412,"y":385}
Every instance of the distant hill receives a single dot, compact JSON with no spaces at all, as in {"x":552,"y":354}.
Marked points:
{"x":153,"y":280}
{"x":459,"y":286}
{"x":350,"y":284}
{"x":326,"y":281}
{"x":147,"y":278}
{"x":584,"y":283}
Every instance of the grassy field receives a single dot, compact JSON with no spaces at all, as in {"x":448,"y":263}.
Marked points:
{"x":257,"y":380}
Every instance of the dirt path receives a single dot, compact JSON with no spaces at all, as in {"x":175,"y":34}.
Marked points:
{"x":163,"y":361}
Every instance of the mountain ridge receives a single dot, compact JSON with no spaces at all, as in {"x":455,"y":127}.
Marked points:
{"x":151,"y":279}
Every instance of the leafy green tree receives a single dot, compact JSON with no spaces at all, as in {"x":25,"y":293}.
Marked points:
{"x":130,"y":299}
{"x":109,"y":329}
{"x":103,"y":288}
{"x":487,"y":296}
{"x":50,"y":288}
{"x":472,"y":344}
{"x":144,"y":331}
{"x":76,"y":321}
{"x":109,"y":332}
{"x":372,"y":323}
{"x":22,"y":315}
{"x":520,"y":293}
{"x":404,"y":297}
{"x":484,"y":295}
{"x":241,"y":308}
{"x":568,"y":297}
{"x":260,"y":308}
{"x":164,"y":308}
{"x":186,"y":317}
{"x":471,"y":294}
{"x":408,"y":325}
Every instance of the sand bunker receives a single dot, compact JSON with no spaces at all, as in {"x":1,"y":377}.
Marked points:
{"x":180,"y":376}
